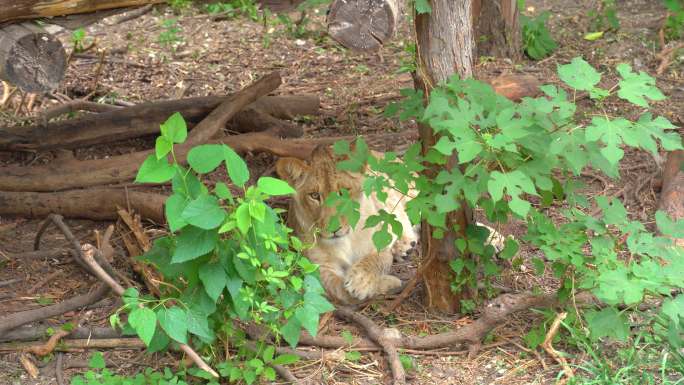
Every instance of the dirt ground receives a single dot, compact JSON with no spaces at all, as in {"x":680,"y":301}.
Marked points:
{"x":219,"y":57}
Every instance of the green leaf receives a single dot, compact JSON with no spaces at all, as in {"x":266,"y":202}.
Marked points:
{"x":204,"y":212}
{"x":423,"y":6}
{"x":674,"y":309}
{"x":97,"y":361}
{"x":268,"y":354}
{"x":353,"y":355}
{"x":347,"y":336}
{"x":291,"y":331}
{"x":205,"y":158}
{"x":174,"y":321}
{"x":243,"y":218}
{"x":237,"y":168}
{"x":515,"y":183}
{"x":608,"y":322}
{"x":308,"y":317}
{"x":173,"y":208}
{"x":155,"y":170}
{"x":637,"y":88}
{"x":174,"y":129}
{"x":198,"y":324}
{"x":274,"y":186}
{"x":162,"y":147}
{"x":591,"y":36}
{"x":144,"y":321}
{"x":192,"y":243}
{"x":510,"y":249}
{"x":223,"y":192}
{"x":382,"y":238}
{"x":316,"y":301}
{"x":285,"y":359}
{"x":214,"y":279}
{"x":579,"y":75}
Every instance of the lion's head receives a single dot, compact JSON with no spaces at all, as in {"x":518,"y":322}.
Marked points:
{"x":314,"y":179}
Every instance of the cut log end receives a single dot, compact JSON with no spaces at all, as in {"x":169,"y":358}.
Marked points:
{"x":362,"y":25}
{"x":31,"y":58}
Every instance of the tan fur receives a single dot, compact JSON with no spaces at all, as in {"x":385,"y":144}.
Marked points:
{"x":351,"y":268}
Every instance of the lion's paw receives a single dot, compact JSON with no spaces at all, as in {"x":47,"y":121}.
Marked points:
{"x":389,"y":284}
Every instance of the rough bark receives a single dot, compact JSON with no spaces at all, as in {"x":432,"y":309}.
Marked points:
{"x":95,"y":204}
{"x":497,"y":28}
{"x":445,"y":47}
{"x":672,"y":193}
{"x":363,"y":25}
{"x":64,"y":176}
{"x":30,"y":58}
{"x":144,"y":119}
{"x":32,"y":9}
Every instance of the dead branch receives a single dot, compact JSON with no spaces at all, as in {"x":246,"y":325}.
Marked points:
{"x":17,"y":319}
{"x":665,"y":57}
{"x":75,"y":106}
{"x":143,"y":245}
{"x":119,"y":168}
{"x":144,"y":119}
{"x":134,"y":14}
{"x":49,"y":346}
{"x":29,"y":366}
{"x":37,"y":332}
{"x":95,"y":204}
{"x":31,"y":9}
{"x":88,"y":256}
{"x":86,"y":343}
{"x":377,"y":335}
{"x":548,"y":345}
{"x":48,"y":253}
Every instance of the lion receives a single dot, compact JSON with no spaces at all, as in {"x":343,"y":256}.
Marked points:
{"x":352,"y":270}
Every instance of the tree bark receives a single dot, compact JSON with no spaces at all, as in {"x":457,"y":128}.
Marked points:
{"x":32,"y":9}
{"x":445,"y":46}
{"x":95,"y":204}
{"x":144,"y":119}
{"x":31,"y":58}
{"x":497,"y":28}
{"x":672,"y":193}
{"x":363,"y":25}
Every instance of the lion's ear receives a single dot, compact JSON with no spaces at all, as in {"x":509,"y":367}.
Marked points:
{"x":292,"y":170}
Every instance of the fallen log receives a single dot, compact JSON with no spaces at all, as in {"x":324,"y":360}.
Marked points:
{"x":363,"y":25}
{"x":79,"y":344}
{"x":88,"y":173}
{"x":14,"y":320}
{"x":69,"y":175}
{"x":95,"y":204}
{"x":30,"y":58}
{"x":672,"y":193}
{"x":33,"y":9}
{"x":144,"y":119}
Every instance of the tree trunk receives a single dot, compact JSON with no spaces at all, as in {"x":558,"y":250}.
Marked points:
{"x":33,"y":9}
{"x":672,"y":193}
{"x":445,"y":47}
{"x":31,"y":58}
{"x":363,"y":25}
{"x":497,"y":28}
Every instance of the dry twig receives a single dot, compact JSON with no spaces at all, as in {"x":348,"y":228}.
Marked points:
{"x":547,"y":345}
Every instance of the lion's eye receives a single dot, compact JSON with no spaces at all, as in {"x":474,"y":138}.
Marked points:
{"x":315,"y":196}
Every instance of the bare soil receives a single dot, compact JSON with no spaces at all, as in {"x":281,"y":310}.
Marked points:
{"x":219,"y":57}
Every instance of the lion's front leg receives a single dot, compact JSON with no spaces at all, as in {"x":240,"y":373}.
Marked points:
{"x":369,"y":276}
{"x":333,"y":283}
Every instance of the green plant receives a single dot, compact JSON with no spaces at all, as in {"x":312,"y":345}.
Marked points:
{"x":536,"y":38}
{"x":100,"y":375}
{"x":179,"y":5}
{"x":220,"y":7}
{"x":226,"y":258}
{"x":514,"y":160}
{"x":674,"y":24}
{"x":78,"y":39}
{"x":170,"y":34}
{"x":604,"y":18}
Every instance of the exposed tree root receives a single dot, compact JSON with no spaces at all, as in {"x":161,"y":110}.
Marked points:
{"x":79,"y":344}
{"x":377,"y":335}
{"x":547,"y":345}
